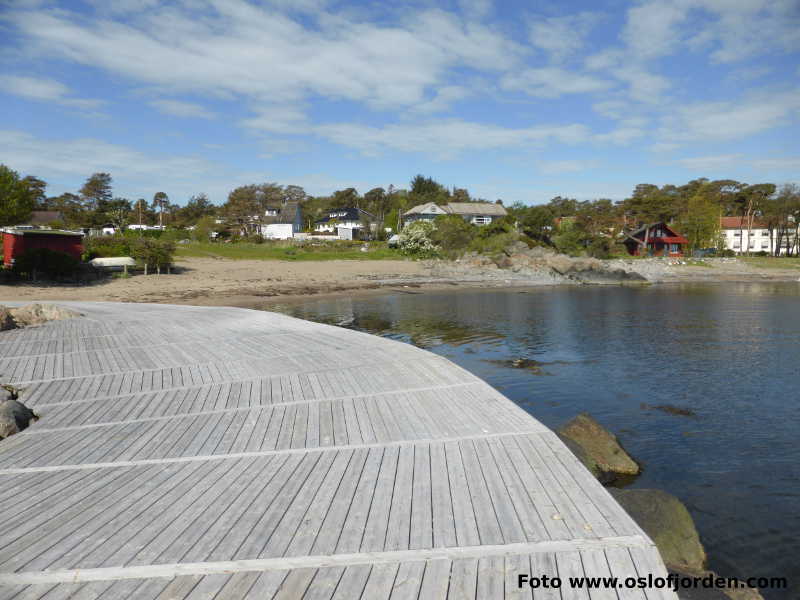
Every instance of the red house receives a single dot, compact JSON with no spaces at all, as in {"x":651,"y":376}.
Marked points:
{"x":655,"y":239}
{"x":17,"y":240}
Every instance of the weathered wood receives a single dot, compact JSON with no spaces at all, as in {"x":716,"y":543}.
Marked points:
{"x":189,"y":452}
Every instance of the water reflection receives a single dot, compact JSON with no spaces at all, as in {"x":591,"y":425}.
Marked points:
{"x":699,"y":382}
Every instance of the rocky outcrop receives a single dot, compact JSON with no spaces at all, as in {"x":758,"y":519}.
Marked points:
{"x":668,"y":523}
{"x":14,"y":417}
{"x":600,"y":448}
{"x":33,"y":314}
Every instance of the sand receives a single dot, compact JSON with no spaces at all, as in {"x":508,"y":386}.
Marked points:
{"x":224,"y":282}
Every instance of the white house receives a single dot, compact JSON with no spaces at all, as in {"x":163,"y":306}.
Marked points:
{"x":281,"y":223}
{"x":758,"y":239}
{"x":477,"y":213}
{"x":343,"y":218}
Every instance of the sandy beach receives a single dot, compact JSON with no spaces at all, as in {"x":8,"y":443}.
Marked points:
{"x":219,"y":282}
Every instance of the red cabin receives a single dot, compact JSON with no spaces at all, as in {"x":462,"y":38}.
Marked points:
{"x":17,"y":240}
{"x":655,"y":239}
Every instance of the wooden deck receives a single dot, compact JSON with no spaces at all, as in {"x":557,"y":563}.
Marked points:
{"x":198,"y":453}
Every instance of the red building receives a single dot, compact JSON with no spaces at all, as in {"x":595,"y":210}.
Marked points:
{"x":655,"y":239}
{"x":17,"y":240}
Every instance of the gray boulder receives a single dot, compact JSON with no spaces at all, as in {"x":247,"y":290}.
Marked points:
{"x":37,"y":314}
{"x":668,"y":523}
{"x":599,"y":445}
{"x":6,"y":319}
{"x":14,"y":417}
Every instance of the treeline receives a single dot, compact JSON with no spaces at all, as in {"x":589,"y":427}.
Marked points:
{"x":694,"y":209}
{"x":567,"y":224}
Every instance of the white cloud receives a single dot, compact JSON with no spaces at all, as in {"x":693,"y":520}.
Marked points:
{"x":43,"y":89}
{"x":552,"y":82}
{"x":704,"y":163}
{"x":447,"y":138}
{"x":730,"y":120}
{"x":240,"y":49}
{"x":650,"y":30}
{"x":558,"y":167}
{"x":29,"y":154}
{"x":178,"y":108}
{"x":561,"y":37}
{"x":790,"y":163}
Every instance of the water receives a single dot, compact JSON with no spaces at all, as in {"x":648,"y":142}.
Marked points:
{"x":730,"y":353}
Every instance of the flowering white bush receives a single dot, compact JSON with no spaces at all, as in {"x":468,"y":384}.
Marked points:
{"x":415,"y":240}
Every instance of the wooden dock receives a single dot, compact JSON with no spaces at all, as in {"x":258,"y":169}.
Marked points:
{"x":199,"y":453}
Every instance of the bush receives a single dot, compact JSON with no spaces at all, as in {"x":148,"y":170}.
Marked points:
{"x":152,"y":253}
{"x":43,"y":261}
{"x":493,"y":245}
{"x":416,"y":240}
{"x":107,"y":246}
{"x":452,"y":235}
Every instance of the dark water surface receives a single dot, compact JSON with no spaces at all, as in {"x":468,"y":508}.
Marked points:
{"x":729,"y":353}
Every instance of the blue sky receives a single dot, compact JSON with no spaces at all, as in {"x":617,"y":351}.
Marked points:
{"x":515,"y":100}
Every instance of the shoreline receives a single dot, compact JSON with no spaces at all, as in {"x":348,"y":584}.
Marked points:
{"x":247,"y":283}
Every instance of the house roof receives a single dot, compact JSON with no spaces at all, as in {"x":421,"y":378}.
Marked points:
{"x":429,"y":208}
{"x":675,"y":238}
{"x":458,"y":208}
{"x":45,"y":217}
{"x":286,"y":214}
{"x":475,"y":208}
{"x":350,"y":214}
{"x":16,"y":231}
{"x":739,"y":223}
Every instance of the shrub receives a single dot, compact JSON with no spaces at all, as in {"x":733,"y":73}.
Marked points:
{"x":43,"y":261}
{"x":152,"y":253}
{"x":493,"y":245}
{"x":452,"y":235}
{"x":107,"y":246}
{"x":416,"y":240}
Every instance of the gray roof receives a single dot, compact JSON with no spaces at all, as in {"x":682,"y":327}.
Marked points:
{"x":475,"y":208}
{"x":286,"y":214}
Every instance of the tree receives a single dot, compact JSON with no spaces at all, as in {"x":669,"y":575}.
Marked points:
{"x":117,"y":212}
{"x":425,"y":189}
{"x":160,"y":201}
{"x":142,"y":212}
{"x":535,"y":221}
{"x":17,"y":199}
{"x":198,"y":207}
{"x":700,"y":223}
{"x":69,"y":205}
{"x":37,"y":187}
{"x":96,"y":189}
{"x":346,"y":198}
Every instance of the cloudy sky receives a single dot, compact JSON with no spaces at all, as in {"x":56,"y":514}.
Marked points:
{"x":514,"y":100}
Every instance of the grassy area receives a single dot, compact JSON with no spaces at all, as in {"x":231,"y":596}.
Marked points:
{"x":287,"y":251}
{"x":772,"y":262}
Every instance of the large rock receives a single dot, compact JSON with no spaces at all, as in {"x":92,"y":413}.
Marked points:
{"x":14,"y":417}
{"x":587,"y":461}
{"x":599,"y":445}
{"x":668,"y":523}
{"x":37,"y":314}
{"x":6,"y":319}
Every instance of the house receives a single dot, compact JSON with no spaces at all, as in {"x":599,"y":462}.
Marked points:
{"x":281,"y":222}
{"x":343,"y":218}
{"x":477,"y":213}
{"x":752,"y":235}
{"x":17,"y":240}
{"x":655,"y":239}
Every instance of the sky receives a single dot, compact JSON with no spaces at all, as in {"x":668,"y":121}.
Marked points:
{"x":521,"y":101}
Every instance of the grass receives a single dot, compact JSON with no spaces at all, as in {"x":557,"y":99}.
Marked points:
{"x":772,"y":262}
{"x":287,"y":251}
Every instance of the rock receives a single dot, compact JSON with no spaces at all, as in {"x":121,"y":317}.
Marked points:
{"x":610,"y":276}
{"x":37,"y":314}
{"x":600,"y":445}
{"x":14,"y":417}
{"x":587,"y":461}
{"x":668,"y":523}
{"x":6,"y":319}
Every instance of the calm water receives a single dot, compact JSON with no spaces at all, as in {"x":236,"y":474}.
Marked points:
{"x":728,"y":352}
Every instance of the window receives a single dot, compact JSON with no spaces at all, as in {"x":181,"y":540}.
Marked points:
{"x":481,"y":220}
{"x":764,"y":245}
{"x":737,"y":244}
{"x":764,"y":233}
{"x":737,"y":233}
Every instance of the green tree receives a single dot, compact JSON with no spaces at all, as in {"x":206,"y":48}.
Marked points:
{"x":37,"y":187}
{"x":700,"y":223}
{"x":160,"y":202}
{"x":196,"y":208}
{"x":96,"y":189}
{"x":453,"y":235}
{"x":17,"y":199}
{"x":425,"y":189}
